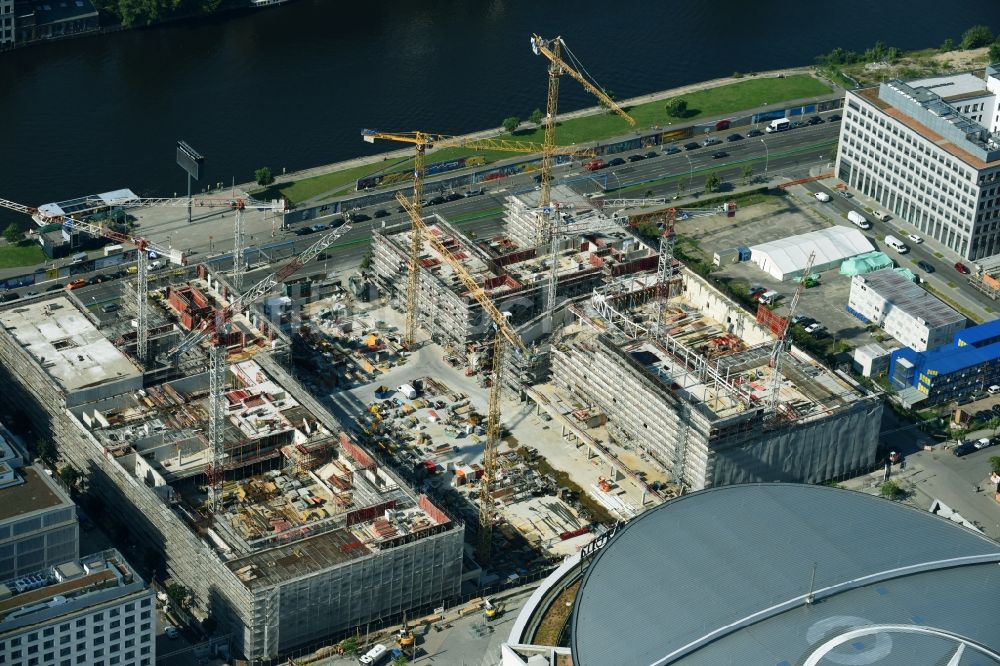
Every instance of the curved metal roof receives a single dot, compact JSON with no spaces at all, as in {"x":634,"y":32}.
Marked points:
{"x":722,"y":576}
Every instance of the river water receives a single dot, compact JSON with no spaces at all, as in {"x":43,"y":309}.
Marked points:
{"x":291,"y":86}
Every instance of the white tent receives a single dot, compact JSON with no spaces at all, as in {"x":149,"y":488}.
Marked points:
{"x":786,"y":258}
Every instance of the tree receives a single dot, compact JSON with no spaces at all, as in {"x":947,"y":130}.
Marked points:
{"x":45,"y":449}
{"x":995,"y":464}
{"x":401,"y":660}
{"x":890,"y":490}
{"x":511,"y":123}
{"x":947,"y":45}
{"x":12,"y":233}
{"x":178,"y":594}
{"x":69,"y":476}
{"x":676,"y":107}
{"x":712,"y":182}
{"x":746,"y":173}
{"x":994,"y":51}
{"x":535,"y":117}
{"x":350,"y":645}
{"x":264,"y":176}
{"x":976,"y":36}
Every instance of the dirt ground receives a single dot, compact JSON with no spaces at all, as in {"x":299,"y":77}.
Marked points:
{"x":922,"y":64}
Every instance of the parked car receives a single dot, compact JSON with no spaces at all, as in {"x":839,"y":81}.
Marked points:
{"x":9,"y":296}
{"x":963,"y":449}
{"x":54,"y":287}
{"x":304,"y":231}
{"x":754,"y":133}
{"x":925,"y":267}
{"x":693,"y":145}
{"x":76,"y":284}
{"x":618,"y":161}
{"x":719,"y":155}
{"x":171,"y":632}
{"x":962,"y":268}
{"x":359,"y":217}
{"x":711,"y":141}
{"x":834,"y":117}
{"x":651,"y":154}
{"x":915,"y":238}
{"x":813,"y":327}
{"x":435,"y":201}
{"x":756,"y":289}
{"x":734,"y":137}
{"x":636,"y":158}
{"x":983,"y":443}
{"x":881,"y":215}
{"x":454,"y":196}
{"x":814,"y":120}
{"x":381,"y":212}
{"x":110,"y":307}
{"x":671,"y":150}
{"x":822,"y":196}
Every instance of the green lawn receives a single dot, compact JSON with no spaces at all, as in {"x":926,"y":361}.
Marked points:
{"x":740,"y":96}
{"x":15,"y":256}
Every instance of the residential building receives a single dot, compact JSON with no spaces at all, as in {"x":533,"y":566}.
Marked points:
{"x":965,"y":367}
{"x":7,"y":25}
{"x":95,"y":611}
{"x":929,"y":152}
{"x":903,"y":309}
{"x":38,"y":525}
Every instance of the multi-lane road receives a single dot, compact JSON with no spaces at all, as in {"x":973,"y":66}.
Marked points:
{"x":787,"y":154}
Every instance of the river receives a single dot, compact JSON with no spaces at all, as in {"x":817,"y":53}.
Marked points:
{"x":291,"y":86}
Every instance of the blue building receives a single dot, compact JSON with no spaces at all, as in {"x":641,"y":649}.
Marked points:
{"x":968,"y":365}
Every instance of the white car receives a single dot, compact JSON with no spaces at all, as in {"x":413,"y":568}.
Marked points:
{"x":915,"y":238}
{"x":812,"y":328}
{"x":822,"y":196}
{"x":171,"y":632}
{"x":983,"y":443}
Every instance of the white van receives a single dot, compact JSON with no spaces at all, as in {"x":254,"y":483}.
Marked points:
{"x":779,"y":125}
{"x":769,"y":297}
{"x":78,"y":258}
{"x":858,"y":220}
{"x":896,"y":244}
{"x":408,"y":391}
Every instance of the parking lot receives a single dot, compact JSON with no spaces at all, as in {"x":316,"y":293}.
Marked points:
{"x":795,"y":212}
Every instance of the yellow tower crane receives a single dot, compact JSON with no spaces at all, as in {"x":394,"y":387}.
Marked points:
{"x":422,"y":141}
{"x":505,"y":335}
{"x":552,"y":49}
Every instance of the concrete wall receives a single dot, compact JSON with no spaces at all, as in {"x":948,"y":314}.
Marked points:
{"x":716,"y":305}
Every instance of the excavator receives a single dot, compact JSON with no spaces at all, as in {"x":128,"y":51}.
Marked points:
{"x":405,"y":637}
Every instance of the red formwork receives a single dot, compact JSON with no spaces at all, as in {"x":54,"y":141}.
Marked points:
{"x":773,"y":322}
{"x":436,"y":514}
{"x":356,"y":453}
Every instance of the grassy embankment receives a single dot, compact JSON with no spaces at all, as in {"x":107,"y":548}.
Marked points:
{"x":731,"y":98}
{"x":20,"y":254}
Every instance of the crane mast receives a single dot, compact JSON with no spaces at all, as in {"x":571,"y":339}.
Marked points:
{"x":421,"y":142}
{"x":505,"y":336}
{"x":779,"y":344}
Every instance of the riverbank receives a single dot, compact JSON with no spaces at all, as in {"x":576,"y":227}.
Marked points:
{"x":706,"y":99}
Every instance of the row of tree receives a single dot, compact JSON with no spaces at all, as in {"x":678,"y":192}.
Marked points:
{"x":133,"y":13}
{"x":975,"y":37}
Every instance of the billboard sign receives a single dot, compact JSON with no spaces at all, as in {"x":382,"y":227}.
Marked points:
{"x":189,"y":160}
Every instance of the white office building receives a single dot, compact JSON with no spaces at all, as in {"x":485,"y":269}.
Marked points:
{"x":95,"y":612}
{"x":6,"y":22}
{"x":903,"y":309}
{"x":929,"y":152}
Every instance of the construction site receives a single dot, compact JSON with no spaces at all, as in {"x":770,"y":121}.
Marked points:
{"x":263,"y":506}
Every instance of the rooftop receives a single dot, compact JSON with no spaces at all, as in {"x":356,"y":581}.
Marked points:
{"x":36,"y":493}
{"x":865,"y":560}
{"x":909,"y":297}
{"x":86,"y":203}
{"x":71,"y":349}
{"x":66,"y":588}
{"x":969,"y":348}
{"x":954,"y":86}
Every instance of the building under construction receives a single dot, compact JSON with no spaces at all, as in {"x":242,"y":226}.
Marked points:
{"x":310,"y":537}
{"x":590,"y":250}
{"x":688,"y":381}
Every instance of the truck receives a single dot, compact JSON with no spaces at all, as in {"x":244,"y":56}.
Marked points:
{"x":374,"y":656}
{"x":778,"y":125}
{"x":594,"y":165}
{"x":896,"y":244}
{"x":858,"y":220}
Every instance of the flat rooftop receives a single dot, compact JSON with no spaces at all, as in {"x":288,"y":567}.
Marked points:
{"x":65,"y":588}
{"x":910,"y":297}
{"x":70,"y":348}
{"x":959,"y":86}
{"x":36,"y":493}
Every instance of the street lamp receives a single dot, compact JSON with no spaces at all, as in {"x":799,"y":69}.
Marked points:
{"x":766,"y":156}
